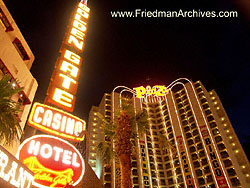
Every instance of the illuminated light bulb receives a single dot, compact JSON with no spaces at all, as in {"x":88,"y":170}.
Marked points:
{"x":247,"y":175}
{"x":213,"y":98}
{"x":243,"y":166}
{"x":236,"y":151}
{"x":95,"y":113}
{"x":227,"y":131}
{"x":225,"y":124}
{"x":218,"y":108}
{"x":94,"y":118}
{"x":233,"y":144}
{"x":230,"y":137}
{"x":222,"y":119}
{"x":215,"y":102}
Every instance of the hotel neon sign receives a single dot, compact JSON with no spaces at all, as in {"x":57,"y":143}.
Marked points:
{"x":56,"y":122}
{"x":63,"y":85}
{"x":55,"y":162}
{"x":157,"y":91}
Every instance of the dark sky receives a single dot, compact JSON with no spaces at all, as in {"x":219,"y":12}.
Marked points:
{"x":142,"y":51}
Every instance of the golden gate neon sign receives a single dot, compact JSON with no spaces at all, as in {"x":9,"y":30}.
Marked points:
{"x":158,"y":91}
{"x":63,"y":85}
{"x":57,"y":122}
{"x":53,"y":161}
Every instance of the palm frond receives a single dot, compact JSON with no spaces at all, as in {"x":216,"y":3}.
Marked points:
{"x":105,"y":151}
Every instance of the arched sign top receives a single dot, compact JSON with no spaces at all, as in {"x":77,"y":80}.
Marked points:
{"x":54,"y":161}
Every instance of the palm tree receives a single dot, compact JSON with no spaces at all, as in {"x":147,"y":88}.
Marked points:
{"x":121,"y":132}
{"x":9,"y":123}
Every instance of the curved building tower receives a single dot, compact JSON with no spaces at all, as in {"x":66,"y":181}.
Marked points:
{"x":203,"y":150}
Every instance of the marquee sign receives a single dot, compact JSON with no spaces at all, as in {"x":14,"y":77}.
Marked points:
{"x":54,"y":162}
{"x":63,"y":85}
{"x":157,"y":91}
{"x":13,"y":171}
{"x":56,"y":122}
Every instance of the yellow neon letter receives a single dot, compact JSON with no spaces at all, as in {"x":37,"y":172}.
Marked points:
{"x":77,"y":33}
{"x":63,"y":97}
{"x":78,"y":44}
{"x":66,"y":81}
{"x":65,"y":67}
{"x":80,"y":26}
{"x":74,"y":58}
{"x":140,"y":91}
{"x":83,"y":7}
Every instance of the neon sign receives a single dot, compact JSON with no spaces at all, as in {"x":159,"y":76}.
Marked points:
{"x":158,"y":91}
{"x":56,"y":122}
{"x":14,"y":172}
{"x":63,"y":85}
{"x":54,"y":162}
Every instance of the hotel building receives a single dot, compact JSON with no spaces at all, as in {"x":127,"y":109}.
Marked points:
{"x":16,"y":59}
{"x":205,"y":151}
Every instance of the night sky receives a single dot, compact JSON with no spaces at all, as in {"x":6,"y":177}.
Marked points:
{"x":142,"y":51}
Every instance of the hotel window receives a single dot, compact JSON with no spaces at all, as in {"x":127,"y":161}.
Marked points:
{"x":178,"y":100}
{"x":4,"y":22}
{"x":185,"y":122}
{"x":181,"y":111}
{"x":224,"y":154}
{"x":201,"y":95}
{"x":235,"y":181}
{"x":201,"y":181}
{"x":212,"y":186}
{"x":194,"y":156}
{"x":166,"y":158}
{"x":203,"y":100}
{"x":178,"y":171}
{"x":161,"y":174}
{"x":231,"y":172}
{"x":193,"y":126}
{"x":198,"y":172}
{"x":210,"y":118}
{"x":168,"y":165}
{"x":221,"y":146}
{"x":195,"y":132}
{"x":188,"y":135}
{"x":196,"y":164}
{"x":207,"y":170}
{"x":207,"y":112}
{"x":227,"y":163}
{"x":209,"y":179}
{"x":197,"y":139}
{"x":199,"y":146}
{"x":213,"y":124}
{"x":201,"y":154}
{"x":190,"y":142}
{"x":192,"y":149}
{"x":186,"y":129}
{"x":187,"y":108}
{"x":191,"y":120}
{"x":204,"y":162}
{"x":218,"y":139}
{"x":170,"y":181}
{"x":20,"y":49}
{"x":205,"y":106}
{"x":199,"y":90}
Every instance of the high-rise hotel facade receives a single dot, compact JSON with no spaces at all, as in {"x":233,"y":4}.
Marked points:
{"x":16,"y":59}
{"x":205,"y":151}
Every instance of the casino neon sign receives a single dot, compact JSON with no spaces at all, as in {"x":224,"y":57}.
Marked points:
{"x":54,"y":162}
{"x":57,"y":122}
{"x":157,"y":91}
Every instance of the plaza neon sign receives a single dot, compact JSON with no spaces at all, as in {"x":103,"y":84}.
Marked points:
{"x":54,"y":162}
{"x":157,"y":91}
{"x":63,"y":85}
{"x":56,"y":122}
{"x":13,"y":171}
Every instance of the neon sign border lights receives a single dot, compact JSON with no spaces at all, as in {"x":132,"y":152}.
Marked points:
{"x":56,"y":138}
